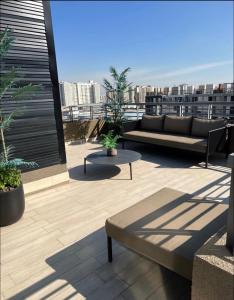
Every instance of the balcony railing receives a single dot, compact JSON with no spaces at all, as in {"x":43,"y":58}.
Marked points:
{"x":134,"y":111}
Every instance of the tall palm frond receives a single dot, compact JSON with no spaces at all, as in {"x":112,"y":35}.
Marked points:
{"x":107,"y":85}
{"x":8,"y":153}
{"x":28,"y":89}
{"x":123,"y":75}
{"x":6,"y":120}
{"x":115,"y":93}
{"x":114,"y":73}
{"x":6,"y":40}
{"x":17,"y":163}
{"x":7,"y":83}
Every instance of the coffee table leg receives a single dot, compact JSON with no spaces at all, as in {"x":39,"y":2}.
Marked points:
{"x":130,"y":165}
{"x":85,"y":165}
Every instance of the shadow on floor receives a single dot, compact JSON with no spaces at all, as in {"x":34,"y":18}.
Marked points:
{"x":82,"y":270}
{"x":174,"y":158}
{"x":93,"y":172}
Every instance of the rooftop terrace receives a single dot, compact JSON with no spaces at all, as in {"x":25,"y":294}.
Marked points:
{"x":58,"y":249}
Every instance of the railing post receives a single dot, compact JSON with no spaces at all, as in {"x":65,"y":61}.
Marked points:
{"x":209,"y":113}
{"x":91,"y":112}
{"x":71,"y":113}
{"x":137,"y":112}
{"x":230,"y":220}
{"x":105,"y":111}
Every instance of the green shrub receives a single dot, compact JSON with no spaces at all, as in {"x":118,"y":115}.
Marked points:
{"x":109,"y":141}
{"x":9,"y":178}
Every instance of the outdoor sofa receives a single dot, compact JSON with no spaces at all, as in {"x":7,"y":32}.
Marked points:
{"x":184,"y":133}
{"x":168,"y":227}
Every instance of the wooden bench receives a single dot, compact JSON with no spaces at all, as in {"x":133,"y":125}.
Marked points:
{"x":168,"y":227}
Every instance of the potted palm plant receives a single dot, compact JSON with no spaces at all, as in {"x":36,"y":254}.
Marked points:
{"x":12,"y":201}
{"x":109,"y":141}
{"x":116,"y":98}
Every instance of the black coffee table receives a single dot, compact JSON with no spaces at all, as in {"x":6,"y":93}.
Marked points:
{"x":123,"y":157}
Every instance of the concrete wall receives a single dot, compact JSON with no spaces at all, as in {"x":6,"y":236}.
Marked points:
{"x":213,"y":271}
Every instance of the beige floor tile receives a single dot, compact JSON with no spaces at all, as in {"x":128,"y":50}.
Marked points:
{"x":58,"y":249}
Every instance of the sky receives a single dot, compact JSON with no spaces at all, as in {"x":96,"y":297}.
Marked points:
{"x":163,"y":42}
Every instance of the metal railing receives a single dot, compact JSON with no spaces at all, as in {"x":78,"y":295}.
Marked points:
{"x":83,"y":112}
{"x":134,"y":111}
{"x":209,"y":110}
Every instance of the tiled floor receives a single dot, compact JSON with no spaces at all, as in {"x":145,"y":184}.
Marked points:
{"x":58,"y":249}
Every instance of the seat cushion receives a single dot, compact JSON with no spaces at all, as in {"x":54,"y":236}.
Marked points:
{"x":153,"y":123}
{"x":201,"y":127}
{"x":168,"y":227}
{"x":179,"y":125}
{"x":168,"y":140}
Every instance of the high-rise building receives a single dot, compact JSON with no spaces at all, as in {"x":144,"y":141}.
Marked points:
{"x":88,"y":93}
{"x":166,"y":90}
{"x":190,"y":89}
{"x":140,"y":93}
{"x":68,"y":93}
{"x":183,"y":89}
{"x":210,"y":88}
{"x":131,"y":94}
{"x":175,"y":90}
{"x":75,"y":93}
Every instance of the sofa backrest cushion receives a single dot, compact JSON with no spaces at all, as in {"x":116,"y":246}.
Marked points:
{"x":201,"y":127}
{"x":152,"y":123}
{"x":178,"y":125}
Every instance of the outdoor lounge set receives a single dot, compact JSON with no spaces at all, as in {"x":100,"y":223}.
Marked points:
{"x":184,"y":133}
{"x":170,"y":226}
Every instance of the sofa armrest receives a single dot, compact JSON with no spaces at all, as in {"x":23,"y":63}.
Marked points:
{"x":217,"y":139}
{"x":131,"y":125}
{"x":230,"y":142}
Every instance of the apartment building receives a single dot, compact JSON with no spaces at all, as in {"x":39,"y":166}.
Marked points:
{"x":77,"y":93}
{"x":68,"y":93}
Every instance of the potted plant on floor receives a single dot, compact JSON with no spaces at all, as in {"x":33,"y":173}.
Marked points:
{"x":109,"y":141}
{"x":116,"y":92}
{"x":11,"y":189}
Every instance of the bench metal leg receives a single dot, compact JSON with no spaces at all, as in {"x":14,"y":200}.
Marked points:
{"x":207,"y":159}
{"x":85,"y":165}
{"x":109,"y":248}
{"x":130,"y":165}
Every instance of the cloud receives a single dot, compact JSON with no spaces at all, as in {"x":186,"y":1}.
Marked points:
{"x":154,"y":74}
{"x":194,"y":69}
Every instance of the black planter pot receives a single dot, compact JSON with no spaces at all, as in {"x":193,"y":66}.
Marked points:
{"x":11,"y":206}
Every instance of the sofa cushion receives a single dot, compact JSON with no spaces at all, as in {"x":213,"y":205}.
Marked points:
{"x":180,"y":125}
{"x":152,"y":123}
{"x":163,"y":139}
{"x":168,"y":227}
{"x":201,"y":127}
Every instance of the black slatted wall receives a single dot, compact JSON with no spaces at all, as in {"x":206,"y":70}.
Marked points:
{"x":37,"y":133}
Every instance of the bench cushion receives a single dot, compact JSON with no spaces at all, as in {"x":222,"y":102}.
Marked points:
{"x":153,"y":123}
{"x":163,"y":139}
{"x":201,"y":127}
{"x":179,"y":125}
{"x":168,"y":227}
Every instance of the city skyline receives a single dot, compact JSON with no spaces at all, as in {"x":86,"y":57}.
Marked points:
{"x":170,"y":47}
{"x":82,"y":93}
